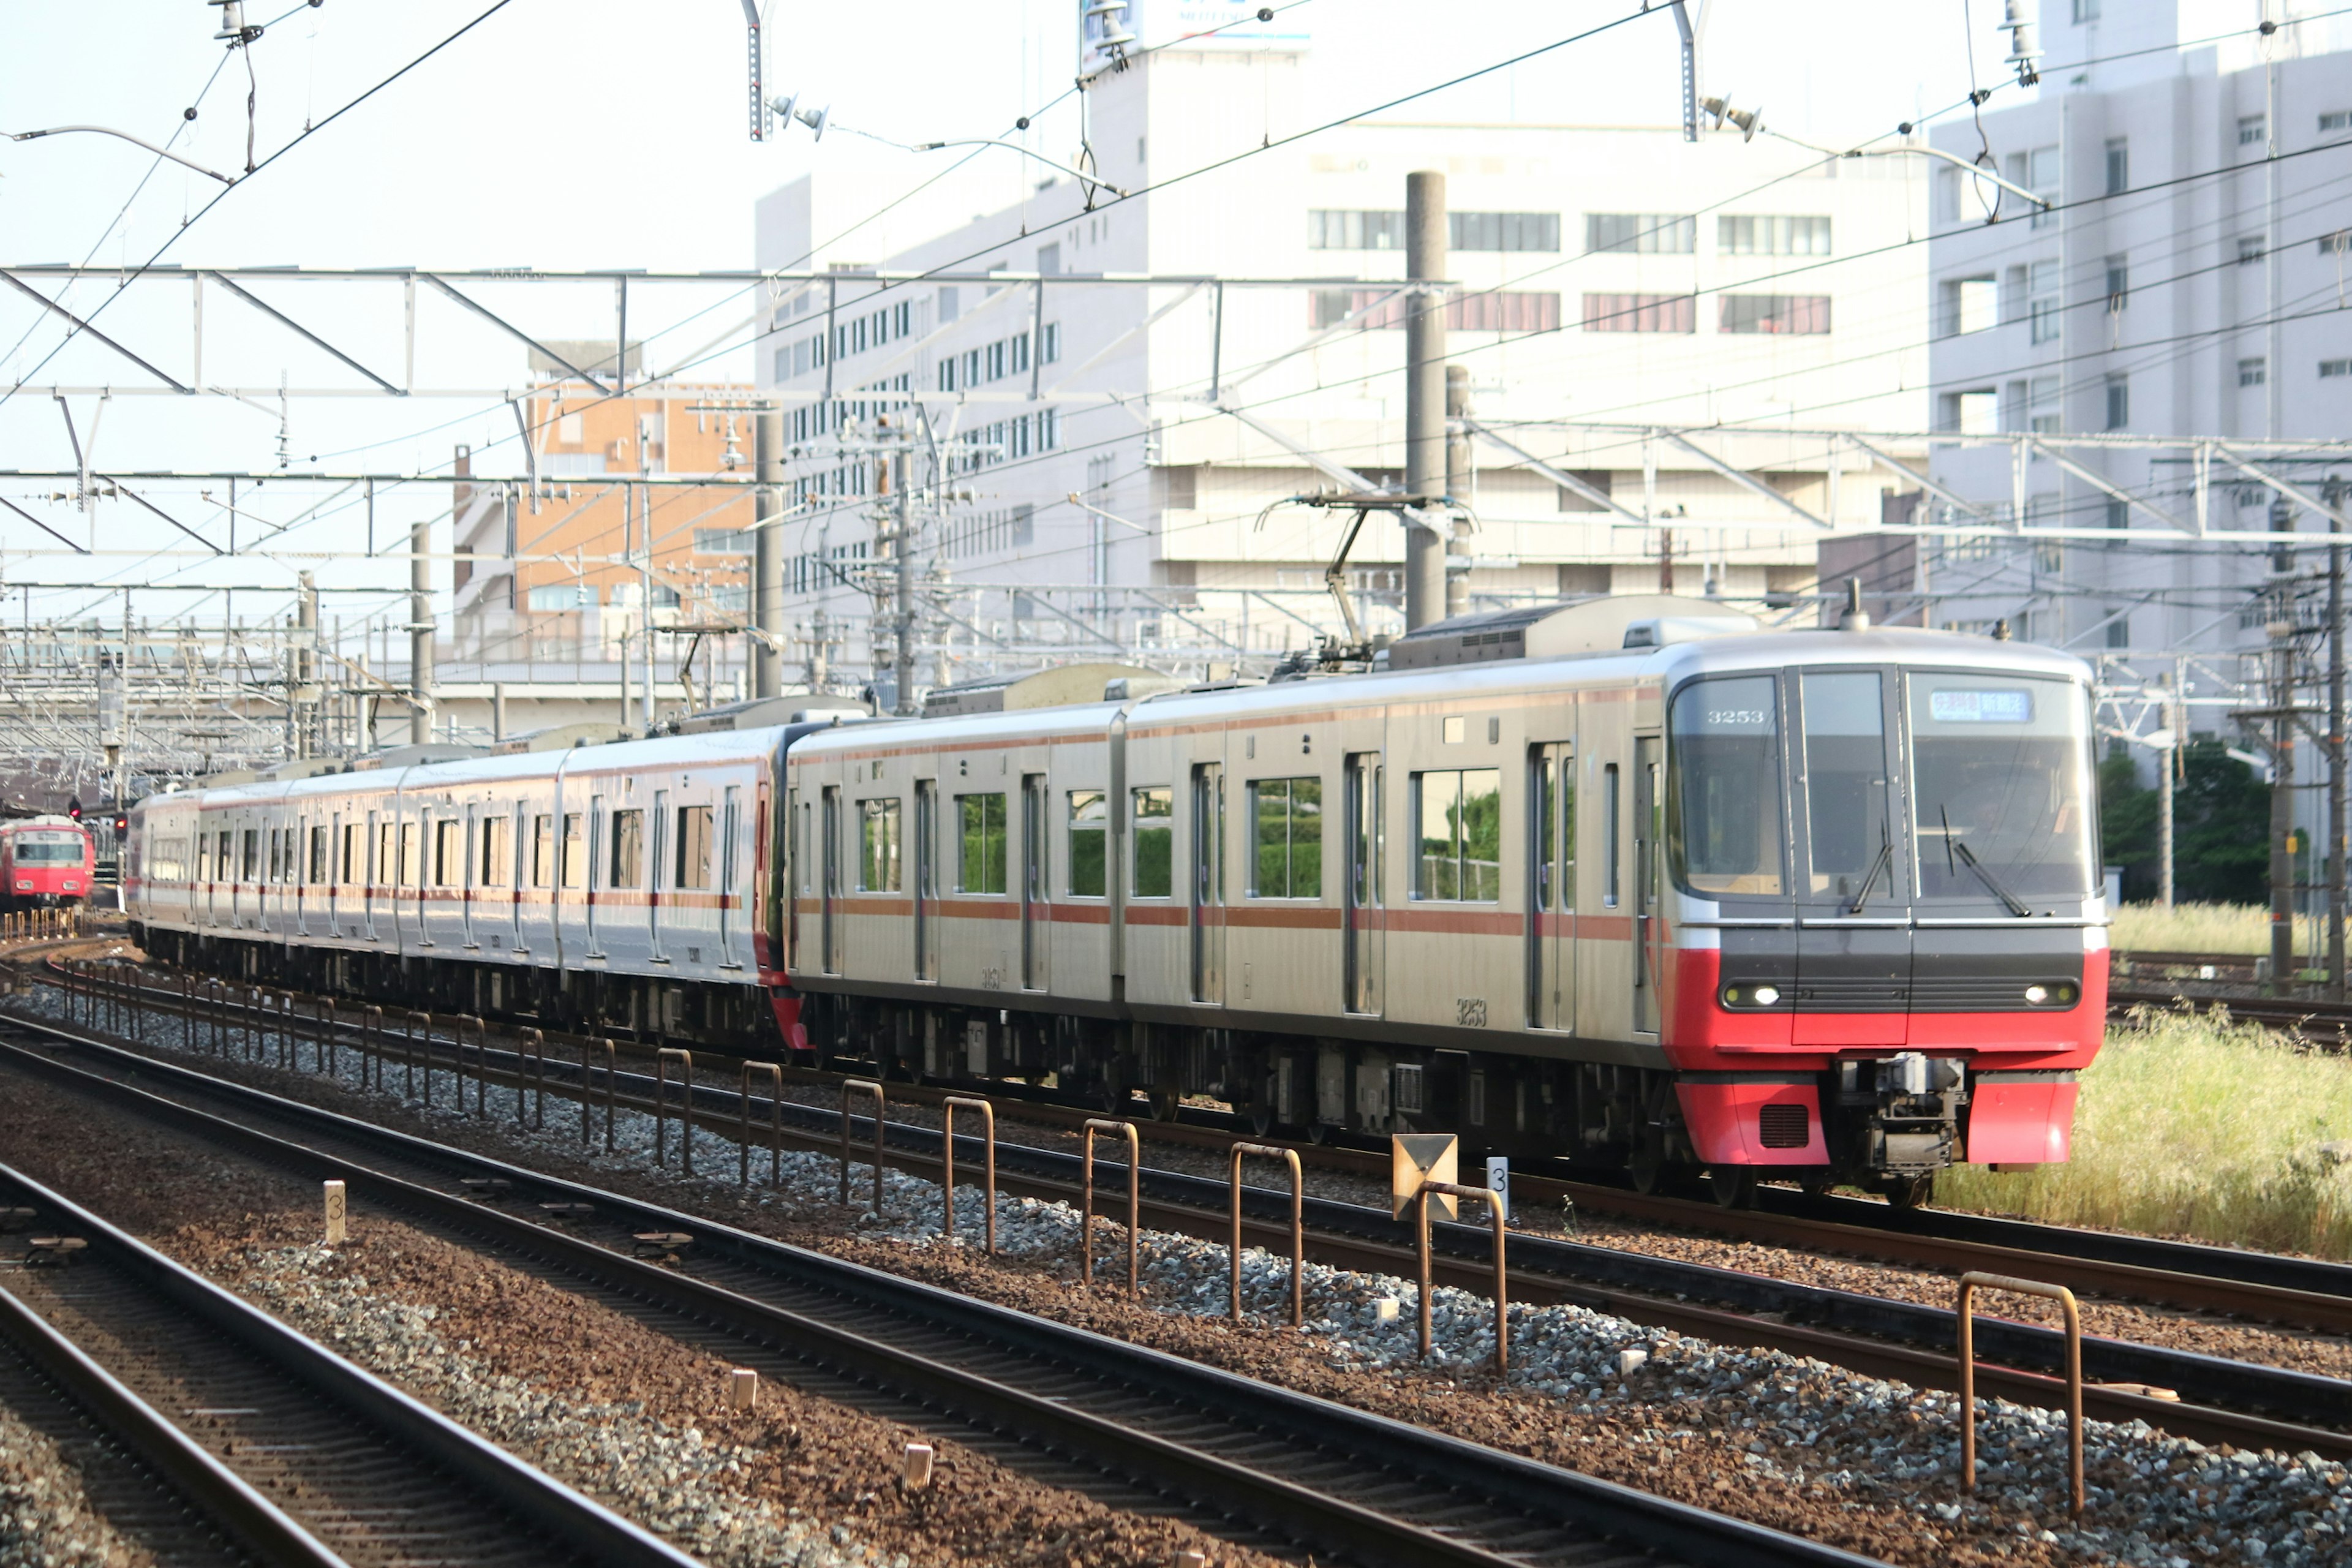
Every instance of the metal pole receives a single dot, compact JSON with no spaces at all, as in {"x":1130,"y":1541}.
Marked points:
{"x":1425,"y":391}
{"x":306,"y":706}
{"x":2165,"y":789}
{"x":420,"y":624}
{"x":2336,"y":780}
{"x":902,"y":556}
{"x":768,"y":554}
{"x":1458,"y":461}
{"x":2282,"y":805}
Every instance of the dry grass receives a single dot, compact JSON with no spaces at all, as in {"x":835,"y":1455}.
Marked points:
{"x":2200,"y":927}
{"x":2188,"y":1126}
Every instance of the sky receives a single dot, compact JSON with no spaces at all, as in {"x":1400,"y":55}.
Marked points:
{"x":587,"y":134}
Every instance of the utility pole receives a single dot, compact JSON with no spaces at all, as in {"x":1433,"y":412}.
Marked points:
{"x":307,"y":700}
{"x":2173,"y":715}
{"x":768,"y":554}
{"x":1425,"y":391}
{"x":420,"y":617}
{"x":2333,"y":495}
{"x":2281,"y":702}
{"x":1458,"y":482}
{"x":902,"y":555}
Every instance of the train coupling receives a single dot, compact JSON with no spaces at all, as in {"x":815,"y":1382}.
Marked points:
{"x":1905,"y":1109}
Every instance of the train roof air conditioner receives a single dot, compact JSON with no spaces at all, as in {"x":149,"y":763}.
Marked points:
{"x":1603,"y":623}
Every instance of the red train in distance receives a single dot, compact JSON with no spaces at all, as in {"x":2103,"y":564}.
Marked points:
{"x":46,"y":863}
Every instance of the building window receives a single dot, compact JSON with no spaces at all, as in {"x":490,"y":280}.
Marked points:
{"x":1331,"y":230}
{"x":1154,"y":832}
{"x":1487,"y":311}
{"x":1971,"y":305}
{"x":2044,"y":415}
{"x":1973,"y":412}
{"x":2118,"y":521}
{"x":2252,"y":372}
{"x":563,"y":596}
{"x":2251,"y":249}
{"x":1460,"y":817}
{"x":2044,"y":180}
{"x":1641,"y":313}
{"x":979,"y":863}
{"x":2119,"y":403}
{"x":2119,"y":631}
{"x":628,"y":867}
{"x":1797,"y":315}
{"x":1643,"y":234}
{"x":2337,"y":120}
{"x":722,"y":540}
{"x":1089,"y":836}
{"x":2045,"y":301}
{"x":2085,"y":11}
{"x":1049,"y":342}
{"x":1287,"y":817}
{"x":2250,"y":130}
{"x":1503,"y":231}
{"x":2118,"y":283}
{"x":2330,"y":369}
{"x":1772,"y":236}
{"x":2119,"y":166}
{"x":2336,"y":243}
{"x":878,"y":845}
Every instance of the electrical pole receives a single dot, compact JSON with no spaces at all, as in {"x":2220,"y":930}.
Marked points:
{"x":2282,"y":702}
{"x":1425,"y":391}
{"x":1458,"y":482}
{"x":2334,"y":494}
{"x":307,"y":703}
{"x":902,"y":555}
{"x":768,"y":554}
{"x":2165,"y":788}
{"x":420,"y":615}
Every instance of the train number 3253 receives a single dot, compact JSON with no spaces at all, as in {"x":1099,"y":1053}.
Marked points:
{"x":1470,"y":1012}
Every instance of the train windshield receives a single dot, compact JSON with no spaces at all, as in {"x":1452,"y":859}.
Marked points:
{"x":2001,"y":787}
{"x":49,"y":848}
{"x":1724,"y":795}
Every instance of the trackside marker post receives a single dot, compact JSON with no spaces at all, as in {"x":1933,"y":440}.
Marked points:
{"x":336,"y":1210}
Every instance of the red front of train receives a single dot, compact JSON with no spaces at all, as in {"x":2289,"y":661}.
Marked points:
{"x":1885,"y":950}
{"x":46,"y":862}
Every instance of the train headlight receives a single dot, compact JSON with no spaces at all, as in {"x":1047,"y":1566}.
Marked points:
{"x":1749,"y":996}
{"x":1766,"y":995}
{"x":2037,"y":994}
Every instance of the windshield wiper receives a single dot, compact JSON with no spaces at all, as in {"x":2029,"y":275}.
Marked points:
{"x":1886,"y":853}
{"x":1952,"y":845}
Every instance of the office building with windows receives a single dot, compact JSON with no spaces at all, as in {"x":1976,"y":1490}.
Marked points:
{"x":1650,"y":327}
{"x":2189,"y":281}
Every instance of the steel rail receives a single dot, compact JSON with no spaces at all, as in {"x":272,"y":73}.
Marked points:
{"x":536,"y":1501}
{"x":1380,"y":1454}
{"x":2219,"y":1401}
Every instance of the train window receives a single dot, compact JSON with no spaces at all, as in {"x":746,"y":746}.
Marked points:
{"x":1847,"y":834}
{"x":1611,"y":857}
{"x":410,"y":876}
{"x":879,"y":845}
{"x":1154,"y":831}
{"x":276,"y":847}
{"x":542,"y":850}
{"x":1286,"y":830}
{"x":1723,"y":831}
{"x":249,"y":864}
{"x":449,"y":853}
{"x":980,"y":860}
{"x":575,"y":851}
{"x":628,"y":849}
{"x":1090,"y":839}
{"x":1460,"y":858}
{"x":354,"y":851}
{"x":495,"y":855}
{"x":2002,"y":787}
{"x":318,"y":855}
{"x":693,"y":867}
{"x":387,"y":854}
{"x":203,"y":857}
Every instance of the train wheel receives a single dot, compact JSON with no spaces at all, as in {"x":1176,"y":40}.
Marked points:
{"x":1732,"y":1186}
{"x":1817,"y":1181}
{"x":1910,"y":1191}
{"x":1648,"y":1171}
{"x":1164,"y":1103}
{"x":1261,"y":1118}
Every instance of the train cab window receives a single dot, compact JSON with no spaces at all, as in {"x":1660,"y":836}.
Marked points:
{"x":1089,"y":841}
{"x":879,"y":845}
{"x":1286,"y":836}
{"x":1723,"y":799}
{"x":693,"y":868}
{"x":628,"y":867}
{"x":1460,"y":857}
{"x":1848,"y":840}
{"x":2002,"y":787}
{"x":979,"y":858}
{"x":574,"y":869}
{"x":1152,"y":826}
{"x":449,"y":853}
{"x":497,"y":856}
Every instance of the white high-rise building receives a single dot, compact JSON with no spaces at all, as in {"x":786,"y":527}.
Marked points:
{"x":1646,"y":337}
{"x":2190,"y":283}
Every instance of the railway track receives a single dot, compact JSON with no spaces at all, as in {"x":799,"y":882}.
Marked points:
{"x":267,"y":1448}
{"x":1334,"y":1480}
{"x":2218,"y":1400}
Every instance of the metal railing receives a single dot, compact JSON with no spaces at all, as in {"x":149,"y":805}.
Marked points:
{"x":775,"y":1124}
{"x":1493,"y":1201}
{"x":947,"y":1164}
{"x":1087,"y":1197}
{"x":1965,"y":1307}
{"x":662,"y":1059}
{"x":861,"y":1086}
{"x":1298,"y":1227}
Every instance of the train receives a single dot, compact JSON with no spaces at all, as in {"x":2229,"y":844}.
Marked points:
{"x":1633,"y":883}
{"x":46,"y":862}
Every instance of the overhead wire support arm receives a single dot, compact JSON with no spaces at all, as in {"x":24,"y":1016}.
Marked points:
{"x":124,"y":136}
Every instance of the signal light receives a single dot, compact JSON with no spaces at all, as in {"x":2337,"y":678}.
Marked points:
{"x":73,"y":809}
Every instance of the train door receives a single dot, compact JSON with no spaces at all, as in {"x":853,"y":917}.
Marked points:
{"x":730,"y":840}
{"x":796,"y":875}
{"x":1366,"y":938}
{"x":1209,"y":882}
{"x":927,"y":879}
{"x":1649,"y":880}
{"x":1853,"y":928}
{"x":469,"y":851}
{"x":520,"y":856}
{"x":1551,"y":884}
{"x":831,"y":919}
{"x":654,"y":874}
{"x":594,"y":871}
{"x":1036,"y":907}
